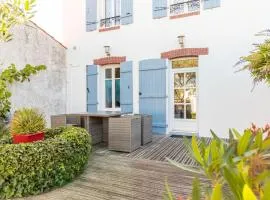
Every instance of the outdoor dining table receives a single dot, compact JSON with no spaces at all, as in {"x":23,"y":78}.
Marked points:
{"x":96,"y":123}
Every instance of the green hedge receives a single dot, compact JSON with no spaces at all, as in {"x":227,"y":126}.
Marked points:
{"x":33,"y":168}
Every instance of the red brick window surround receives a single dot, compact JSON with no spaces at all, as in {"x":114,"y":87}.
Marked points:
{"x":185,"y":15}
{"x":110,"y":60}
{"x":178,"y":53}
{"x":109,"y":29}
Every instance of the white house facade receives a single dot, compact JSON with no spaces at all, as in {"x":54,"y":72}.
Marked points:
{"x":173,"y":59}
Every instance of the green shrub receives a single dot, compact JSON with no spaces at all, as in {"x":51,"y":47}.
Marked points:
{"x":33,"y":168}
{"x":27,"y":121}
{"x":241,"y":165}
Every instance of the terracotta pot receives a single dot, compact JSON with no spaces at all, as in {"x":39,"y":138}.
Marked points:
{"x":28,"y":138}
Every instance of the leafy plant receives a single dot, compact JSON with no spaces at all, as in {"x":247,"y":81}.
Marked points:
{"x":8,"y":77}
{"x":14,"y":12}
{"x":33,"y":168}
{"x":242,"y":164}
{"x":258,"y":62}
{"x":27,"y":121}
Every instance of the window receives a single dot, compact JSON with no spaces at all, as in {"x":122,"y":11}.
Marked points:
{"x":112,"y":88}
{"x":185,"y":100}
{"x":110,"y":13}
{"x":178,"y":7}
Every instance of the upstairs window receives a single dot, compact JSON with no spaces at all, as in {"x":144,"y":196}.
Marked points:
{"x":179,"y":7}
{"x":110,"y":13}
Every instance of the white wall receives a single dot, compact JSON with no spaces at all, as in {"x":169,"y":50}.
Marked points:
{"x":46,"y":90}
{"x":49,"y":16}
{"x":225,"y":97}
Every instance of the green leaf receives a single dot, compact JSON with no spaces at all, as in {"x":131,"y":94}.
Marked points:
{"x":196,"y":151}
{"x":168,"y":194}
{"x":248,"y":194}
{"x":196,"y":190}
{"x":235,"y":181}
{"x":266,"y":144}
{"x":237,"y":135}
{"x":266,"y":190}
{"x":258,"y":141}
{"x":243,"y":143}
{"x":217,"y":192}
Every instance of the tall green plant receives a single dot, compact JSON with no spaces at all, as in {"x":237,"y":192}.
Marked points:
{"x":258,"y":62}
{"x":27,"y":121}
{"x":242,"y":164}
{"x":12,"y":13}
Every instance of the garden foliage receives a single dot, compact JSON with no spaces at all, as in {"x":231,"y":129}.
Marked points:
{"x":240,"y":164}
{"x":33,"y":168}
{"x":258,"y":61}
{"x":26,"y":121}
{"x":12,"y":13}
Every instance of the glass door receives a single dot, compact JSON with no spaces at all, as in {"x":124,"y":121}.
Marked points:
{"x":185,"y":99}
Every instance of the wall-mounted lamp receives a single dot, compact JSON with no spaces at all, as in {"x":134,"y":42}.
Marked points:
{"x":181,"y":40}
{"x":107,"y":50}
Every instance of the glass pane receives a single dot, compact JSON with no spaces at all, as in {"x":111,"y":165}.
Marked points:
{"x":179,"y":111}
{"x":178,"y":80}
{"x":179,"y":96}
{"x":108,"y":89}
{"x":191,"y":79}
{"x":117,"y":72}
{"x":190,"y":95}
{"x":191,"y":111}
{"x":117,"y":93}
{"x":108,"y":73}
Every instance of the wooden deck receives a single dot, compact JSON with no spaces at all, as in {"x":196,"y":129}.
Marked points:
{"x":138,"y":176}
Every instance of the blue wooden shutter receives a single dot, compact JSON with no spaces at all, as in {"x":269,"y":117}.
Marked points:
{"x":153,"y":92}
{"x":92,"y":90}
{"x":126,"y":87}
{"x":208,"y":4}
{"x":159,"y":8}
{"x":91,"y":15}
{"x":126,"y":12}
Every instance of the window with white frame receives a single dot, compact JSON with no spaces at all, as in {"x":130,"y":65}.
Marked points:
{"x":112,"y":88}
{"x":178,"y":7}
{"x":110,"y":13}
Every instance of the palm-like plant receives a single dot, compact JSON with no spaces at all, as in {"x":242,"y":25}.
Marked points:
{"x":258,"y":62}
{"x":242,"y":164}
{"x":27,"y":121}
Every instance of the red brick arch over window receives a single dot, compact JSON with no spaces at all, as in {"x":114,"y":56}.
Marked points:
{"x":110,"y":60}
{"x":185,"y":52}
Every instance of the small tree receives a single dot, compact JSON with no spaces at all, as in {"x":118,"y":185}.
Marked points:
{"x":12,"y":13}
{"x":258,"y":62}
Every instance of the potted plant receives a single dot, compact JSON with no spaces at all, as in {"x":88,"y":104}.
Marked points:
{"x":27,"y":126}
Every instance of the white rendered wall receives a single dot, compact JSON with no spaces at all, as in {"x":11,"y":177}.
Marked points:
{"x":46,"y":90}
{"x":225,"y":97}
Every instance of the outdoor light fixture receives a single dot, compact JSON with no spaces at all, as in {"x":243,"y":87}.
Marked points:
{"x":107,"y":50}
{"x":181,"y":41}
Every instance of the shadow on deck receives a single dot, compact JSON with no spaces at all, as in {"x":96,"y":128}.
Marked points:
{"x":139,"y":175}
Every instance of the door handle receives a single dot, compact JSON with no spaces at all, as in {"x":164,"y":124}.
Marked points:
{"x":88,"y":90}
{"x":140,"y":93}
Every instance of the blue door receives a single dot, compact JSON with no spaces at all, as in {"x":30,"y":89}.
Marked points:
{"x":153,"y":92}
{"x":91,"y":90}
{"x":126,"y":87}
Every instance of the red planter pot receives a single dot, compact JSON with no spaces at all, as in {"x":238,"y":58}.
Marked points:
{"x":28,"y":138}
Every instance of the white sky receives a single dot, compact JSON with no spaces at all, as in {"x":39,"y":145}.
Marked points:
{"x":49,"y":16}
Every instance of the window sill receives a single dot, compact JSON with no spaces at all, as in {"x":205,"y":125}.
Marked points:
{"x":185,"y":15}
{"x":109,"y":29}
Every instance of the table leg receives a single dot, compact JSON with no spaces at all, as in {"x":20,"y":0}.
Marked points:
{"x":105,"y":124}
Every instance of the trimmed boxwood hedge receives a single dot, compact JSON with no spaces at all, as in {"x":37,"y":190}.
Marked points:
{"x":33,"y":168}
